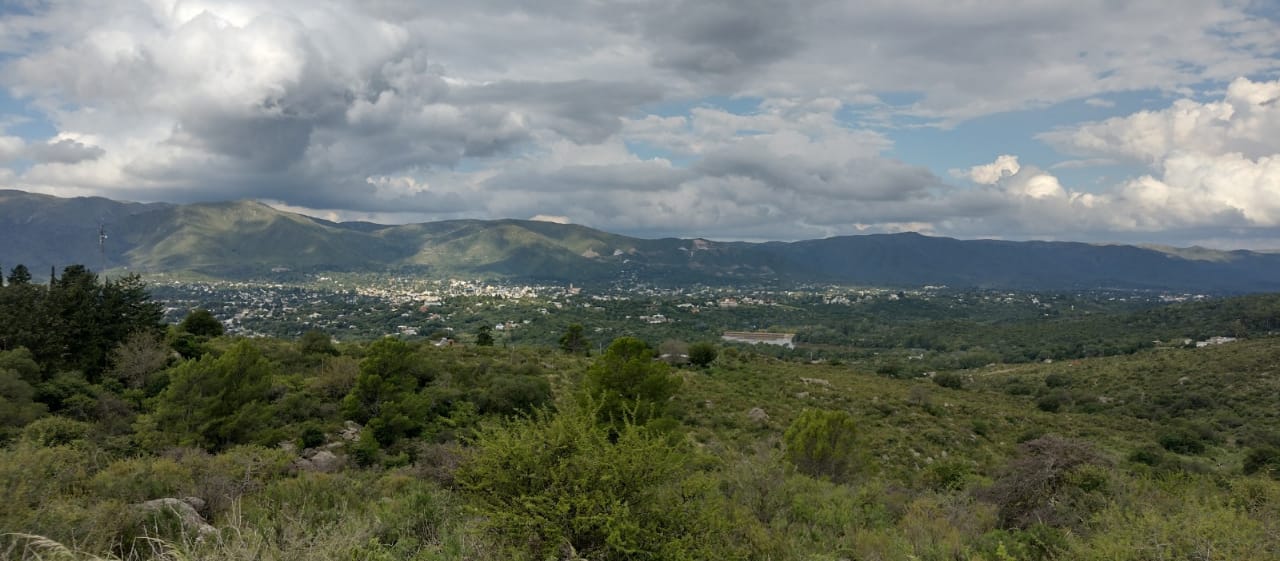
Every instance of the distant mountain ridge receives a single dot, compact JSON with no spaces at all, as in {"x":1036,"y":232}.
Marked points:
{"x":246,"y":238}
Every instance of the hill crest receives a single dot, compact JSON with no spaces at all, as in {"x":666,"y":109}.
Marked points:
{"x":246,"y":238}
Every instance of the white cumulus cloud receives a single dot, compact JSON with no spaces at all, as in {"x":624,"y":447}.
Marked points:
{"x":990,"y":174}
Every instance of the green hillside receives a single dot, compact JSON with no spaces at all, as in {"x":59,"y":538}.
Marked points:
{"x":232,"y":238}
{"x":247,"y":239}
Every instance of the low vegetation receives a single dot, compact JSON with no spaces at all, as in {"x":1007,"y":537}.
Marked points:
{"x":177,"y":442}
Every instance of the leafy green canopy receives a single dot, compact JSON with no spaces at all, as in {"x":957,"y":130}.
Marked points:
{"x":214,"y":402}
{"x":555,"y":484}
{"x":385,"y":395}
{"x":201,"y":323}
{"x":574,"y":341}
{"x":630,"y":383}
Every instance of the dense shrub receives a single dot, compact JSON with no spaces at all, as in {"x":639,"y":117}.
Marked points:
{"x":823,"y":444}
{"x":949,"y":380}
{"x":1051,"y":403}
{"x":1263,"y":460}
{"x":702,"y":354}
{"x":558,"y":483}
{"x":628,"y":383}
{"x":55,"y":431}
{"x":1182,"y":441}
{"x":1050,"y":482}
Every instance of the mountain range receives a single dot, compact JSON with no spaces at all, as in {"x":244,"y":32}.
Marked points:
{"x":250,"y":239}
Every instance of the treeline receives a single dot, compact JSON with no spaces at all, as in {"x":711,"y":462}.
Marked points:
{"x":75,"y":320}
{"x":974,"y":342}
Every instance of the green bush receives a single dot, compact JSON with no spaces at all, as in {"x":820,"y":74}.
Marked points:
{"x":823,"y":444}
{"x":1263,"y":460}
{"x":385,"y":395}
{"x":949,"y":380}
{"x":628,"y":383}
{"x":55,"y":431}
{"x":702,"y":354}
{"x":17,"y":401}
{"x":558,"y":482}
{"x":1050,"y":403}
{"x":1057,"y":380}
{"x":135,"y":480}
{"x":1182,"y":441}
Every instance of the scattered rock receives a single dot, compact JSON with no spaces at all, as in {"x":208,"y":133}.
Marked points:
{"x":185,"y":511}
{"x":326,"y":461}
{"x":350,"y":431}
{"x":288,"y":446}
{"x":802,"y":395}
{"x":322,"y":461}
{"x":816,"y":382}
{"x":758,"y":415}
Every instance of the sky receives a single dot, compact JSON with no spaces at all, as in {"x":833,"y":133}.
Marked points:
{"x":1110,"y":121}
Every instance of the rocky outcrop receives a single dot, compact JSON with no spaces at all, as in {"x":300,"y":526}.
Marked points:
{"x":322,"y":461}
{"x":185,"y":511}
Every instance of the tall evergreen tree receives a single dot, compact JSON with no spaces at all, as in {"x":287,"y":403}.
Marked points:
{"x":19,"y":275}
{"x":75,"y":322}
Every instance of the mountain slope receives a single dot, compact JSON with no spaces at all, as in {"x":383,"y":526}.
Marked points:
{"x":41,"y":231}
{"x":900,"y":259}
{"x":246,"y":236}
{"x":242,"y":239}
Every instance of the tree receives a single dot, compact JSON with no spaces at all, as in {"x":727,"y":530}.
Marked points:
{"x":484,"y":336}
{"x":823,"y":444}
{"x":19,"y":275}
{"x":201,"y":323}
{"x":628,"y":382}
{"x":137,"y":358}
{"x":574,"y":341}
{"x":214,"y":402}
{"x":385,"y":395}
{"x":74,"y":323}
{"x":703,"y":354}
{"x":317,"y":342}
{"x":23,"y":323}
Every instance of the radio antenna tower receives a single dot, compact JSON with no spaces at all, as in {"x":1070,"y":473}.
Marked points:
{"x":102,"y":247}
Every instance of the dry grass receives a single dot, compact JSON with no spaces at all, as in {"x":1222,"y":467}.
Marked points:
{"x":31,"y":547}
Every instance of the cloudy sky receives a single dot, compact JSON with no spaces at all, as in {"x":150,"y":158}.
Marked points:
{"x":1097,"y":120}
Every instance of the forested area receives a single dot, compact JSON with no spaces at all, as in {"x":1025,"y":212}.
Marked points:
{"x":125,"y":438}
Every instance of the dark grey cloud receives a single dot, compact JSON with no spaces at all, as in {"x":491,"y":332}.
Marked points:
{"x":867,"y":178}
{"x":585,"y":111}
{"x":605,"y":111}
{"x":724,"y":37}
